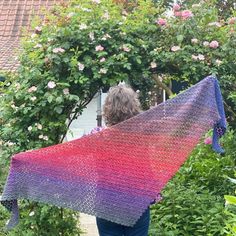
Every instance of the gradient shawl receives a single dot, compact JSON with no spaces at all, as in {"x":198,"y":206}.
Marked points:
{"x":115,"y":174}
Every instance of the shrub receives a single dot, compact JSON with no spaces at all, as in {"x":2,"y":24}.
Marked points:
{"x":230,"y":228}
{"x":193,"y":201}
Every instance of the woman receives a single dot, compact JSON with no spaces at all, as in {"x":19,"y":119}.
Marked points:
{"x":122,"y":103}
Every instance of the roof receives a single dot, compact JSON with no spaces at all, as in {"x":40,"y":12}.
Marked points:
{"x":14,"y":15}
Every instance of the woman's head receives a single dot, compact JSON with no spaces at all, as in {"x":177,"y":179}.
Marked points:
{"x":121,"y":103}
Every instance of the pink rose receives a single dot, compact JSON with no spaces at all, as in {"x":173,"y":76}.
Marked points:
{"x":38,"y":45}
{"x":99,"y":48}
{"x":208,"y":140}
{"x":58,"y":50}
{"x":51,"y":84}
{"x":205,"y":43}
{"x":153,"y":65}
{"x":91,"y":36}
{"x":108,"y":36}
{"x":38,"y":30}
{"x":125,"y":48}
{"x":232,"y":20}
{"x":201,"y":57}
{"x":178,"y":13}
{"x":124,"y":12}
{"x":194,"y":40}
{"x":176,"y":7}
{"x":161,"y":22}
{"x":196,"y":5}
{"x":33,"y":98}
{"x":194,"y":57}
{"x":103,"y":59}
{"x":214,"y":44}
{"x":66,"y":91}
{"x":106,"y":15}
{"x":103,"y":71}
{"x":17,"y":86}
{"x":45,"y":137}
{"x":71,"y":14}
{"x":96,"y":1}
{"x":33,"y":35}
{"x":186,"y":14}
{"x":218,"y":62}
{"x":32,"y":89}
{"x":80,"y":66}
{"x":30,"y":128}
{"x":39,"y":126}
{"x":232,"y":30}
{"x":175,"y":48}
{"x":215,"y":24}
{"x":83,"y":26}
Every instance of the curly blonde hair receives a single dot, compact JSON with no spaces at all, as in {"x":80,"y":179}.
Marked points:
{"x":120,"y":104}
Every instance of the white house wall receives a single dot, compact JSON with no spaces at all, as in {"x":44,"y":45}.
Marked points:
{"x":87,"y":121}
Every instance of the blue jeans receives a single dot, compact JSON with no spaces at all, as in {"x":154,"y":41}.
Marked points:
{"x":107,"y":228}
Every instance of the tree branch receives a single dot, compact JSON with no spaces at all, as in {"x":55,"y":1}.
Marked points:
{"x":82,"y":104}
{"x":162,"y":85}
{"x":230,"y":109}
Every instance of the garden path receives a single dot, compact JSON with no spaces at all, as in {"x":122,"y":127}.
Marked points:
{"x":88,"y":225}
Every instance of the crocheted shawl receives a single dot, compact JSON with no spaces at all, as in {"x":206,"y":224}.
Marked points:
{"x":116,"y":173}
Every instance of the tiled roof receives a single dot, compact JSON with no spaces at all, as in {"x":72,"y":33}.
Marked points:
{"x":14,"y":16}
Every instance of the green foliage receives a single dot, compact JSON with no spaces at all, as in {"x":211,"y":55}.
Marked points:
{"x":224,"y":8}
{"x":42,"y":220}
{"x":193,"y":201}
{"x":230,"y":228}
{"x":188,"y":210}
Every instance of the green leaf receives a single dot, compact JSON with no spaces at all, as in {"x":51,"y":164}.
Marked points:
{"x":66,"y":59}
{"x":180,"y":38}
{"x":50,"y":98}
{"x":230,"y":199}
{"x":138,"y":60}
{"x":58,"y":109}
{"x":59,"y":99}
{"x":232,"y":180}
{"x":127,"y":66}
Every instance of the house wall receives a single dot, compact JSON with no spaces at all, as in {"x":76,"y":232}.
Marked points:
{"x":87,"y":121}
